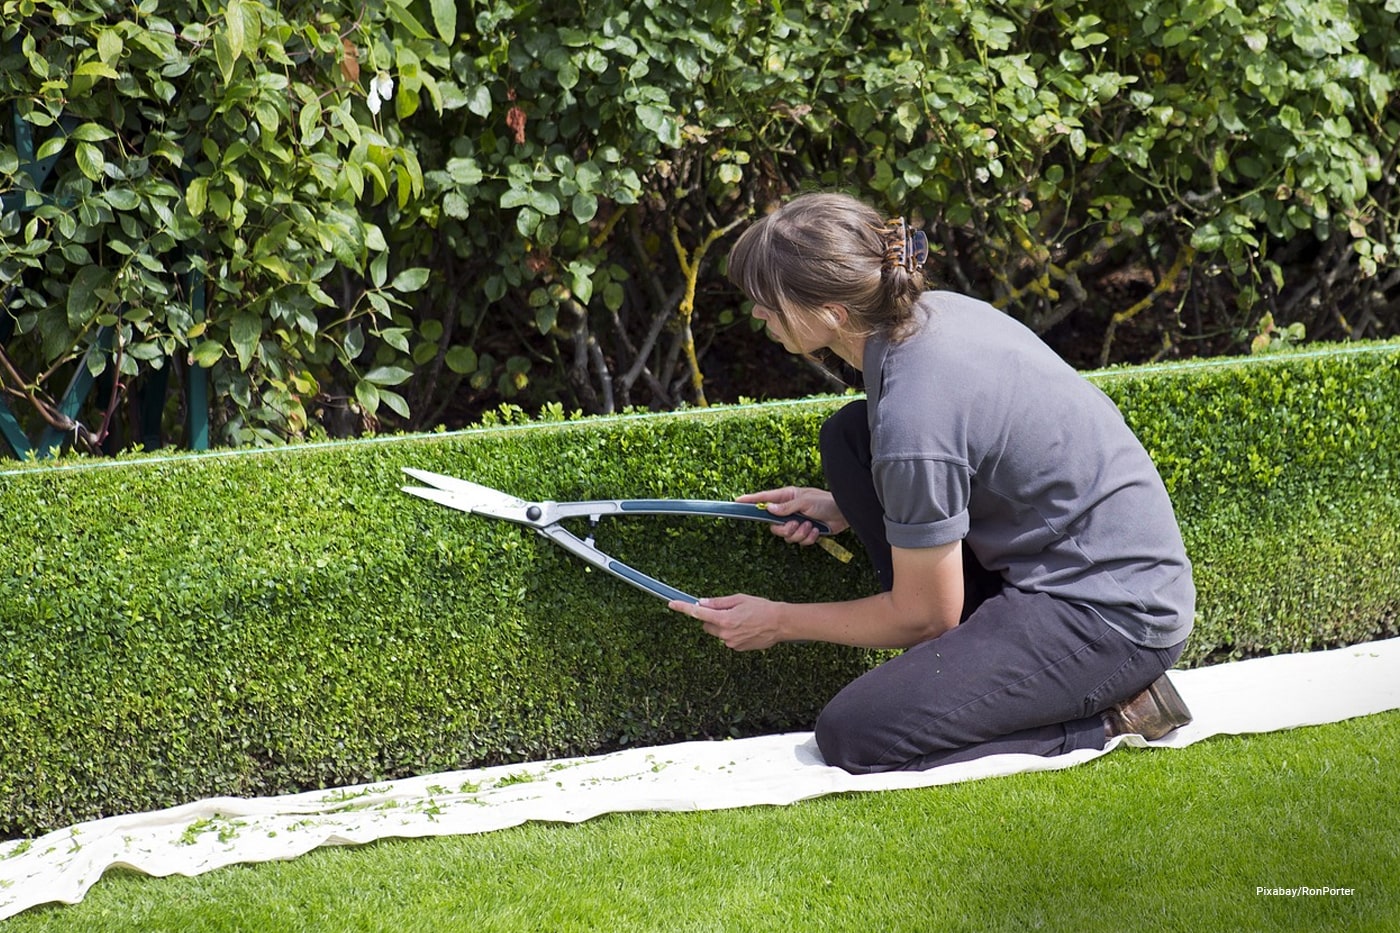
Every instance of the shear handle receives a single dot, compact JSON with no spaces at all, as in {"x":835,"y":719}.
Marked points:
{"x":591,"y":555}
{"x":700,"y":507}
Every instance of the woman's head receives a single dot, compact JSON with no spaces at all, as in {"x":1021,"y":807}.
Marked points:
{"x":824,"y":251}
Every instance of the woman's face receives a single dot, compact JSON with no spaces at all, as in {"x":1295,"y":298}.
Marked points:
{"x":802,"y":333}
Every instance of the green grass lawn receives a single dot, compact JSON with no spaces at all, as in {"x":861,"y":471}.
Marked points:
{"x":1157,"y":840}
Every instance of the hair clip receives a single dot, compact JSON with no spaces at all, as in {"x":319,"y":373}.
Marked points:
{"x":916,"y":248}
{"x":905,"y":248}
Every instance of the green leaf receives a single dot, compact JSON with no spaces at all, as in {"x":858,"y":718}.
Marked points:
{"x":515,"y":197}
{"x":197,"y":195}
{"x":123,"y":199}
{"x":660,"y":123}
{"x":309,"y":119}
{"x":224,"y":56}
{"x":368,"y":395}
{"x":92,"y":133}
{"x":527,"y":222}
{"x":461,"y":360}
{"x":445,"y":19}
{"x":338,"y":235}
{"x":465,"y":171}
{"x":585,"y":207}
{"x":1078,"y":143}
{"x":1207,"y":238}
{"x":401,"y":15}
{"x":95,"y":69}
{"x":581,"y":279}
{"x":479,"y":100}
{"x":354,"y":342}
{"x":396,"y":337}
{"x":455,"y":205}
{"x":613,"y":296}
{"x":233,"y":21}
{"x":109,"y":45}
{"x":208,"y":353}
{"x":395,"y":401}
{"x":410,"y":280}
{"x":544,"y":202}
{"x":1176,"y":35}
{"x":568,"y":75}
{"x":546,"y":316}
{"x":388,"y":375}
{"x":83,"y":298}
{"x":50,"y":147}
{"x":884,"y":176}
{"x":267,"y":116}
{"x":245,"y":331}
{"x":277,"y":266}
{"x":146,"y":351}
{"x":588,"y":176}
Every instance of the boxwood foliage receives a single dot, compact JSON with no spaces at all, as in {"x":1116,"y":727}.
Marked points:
{"x":1283,"y":469}
{"x":259,"y":622}
{"x":201,"y":625}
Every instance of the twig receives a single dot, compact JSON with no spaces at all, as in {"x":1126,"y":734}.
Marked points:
{"x":690,"y":268}
{"x":639,"y":363}
{"x":1183,"y":258}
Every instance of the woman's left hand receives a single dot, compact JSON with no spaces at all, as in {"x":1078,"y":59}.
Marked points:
{"x":744,"y":623}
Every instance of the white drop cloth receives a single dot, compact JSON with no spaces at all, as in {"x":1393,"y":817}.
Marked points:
{"x":1261,"y":695}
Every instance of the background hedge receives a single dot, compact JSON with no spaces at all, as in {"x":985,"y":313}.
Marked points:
{"x":257,"y":622}
{"x":403,"y":211}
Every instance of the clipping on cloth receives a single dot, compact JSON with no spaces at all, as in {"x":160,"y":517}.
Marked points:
{"x":1260,"y":695}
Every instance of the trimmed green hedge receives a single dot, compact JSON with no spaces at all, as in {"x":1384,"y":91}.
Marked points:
{"x":1285,"y":473}
{"x":251,"y":623}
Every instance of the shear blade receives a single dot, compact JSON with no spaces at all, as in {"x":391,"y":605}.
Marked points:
{"x":461,"y":494}
{"x":440,"y":496}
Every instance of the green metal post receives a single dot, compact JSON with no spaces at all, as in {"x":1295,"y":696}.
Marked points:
{"x":78,"y":388}
{"x":152,"y":405}
{"x":14,"y":435}
{"x":196,"y":376}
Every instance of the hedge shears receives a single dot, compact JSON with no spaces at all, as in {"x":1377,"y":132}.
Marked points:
{"x":545,"y":518}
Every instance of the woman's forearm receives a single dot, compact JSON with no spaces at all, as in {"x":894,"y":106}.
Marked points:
{"x":872,"y":622}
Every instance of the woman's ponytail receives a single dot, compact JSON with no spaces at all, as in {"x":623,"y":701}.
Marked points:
{"x":821,"y":249}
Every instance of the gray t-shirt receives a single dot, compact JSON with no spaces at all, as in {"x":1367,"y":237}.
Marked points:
{"x":981,"y":432}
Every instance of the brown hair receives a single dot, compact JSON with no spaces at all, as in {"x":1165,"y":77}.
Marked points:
{"x":821,"y":249}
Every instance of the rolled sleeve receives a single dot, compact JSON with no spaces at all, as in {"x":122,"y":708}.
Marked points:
{"x":926,"y":534}
{"x":925,"y":500}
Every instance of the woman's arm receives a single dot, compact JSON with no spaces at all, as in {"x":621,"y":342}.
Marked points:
{"x":926,"y":601}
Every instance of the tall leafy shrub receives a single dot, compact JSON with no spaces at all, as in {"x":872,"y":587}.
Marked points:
{"x":416,"y":208}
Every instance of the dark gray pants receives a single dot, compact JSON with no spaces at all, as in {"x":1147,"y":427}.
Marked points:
{"x":1023,"y":673}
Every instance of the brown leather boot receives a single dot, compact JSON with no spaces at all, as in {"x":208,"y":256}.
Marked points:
{"x":1151,"y":714}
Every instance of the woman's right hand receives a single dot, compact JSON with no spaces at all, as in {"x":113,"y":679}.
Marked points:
{"x":812,"y":503}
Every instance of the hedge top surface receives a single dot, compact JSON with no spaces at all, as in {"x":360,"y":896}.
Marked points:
{"x":515,"y":421}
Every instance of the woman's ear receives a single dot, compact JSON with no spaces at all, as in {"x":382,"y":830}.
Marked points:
{"x":836,"y":315}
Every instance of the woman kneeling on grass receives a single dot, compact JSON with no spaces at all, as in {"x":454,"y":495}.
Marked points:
{"x":1026,"y":549}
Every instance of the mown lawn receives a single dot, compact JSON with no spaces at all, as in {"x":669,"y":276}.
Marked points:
{"x":1137,"y":840}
